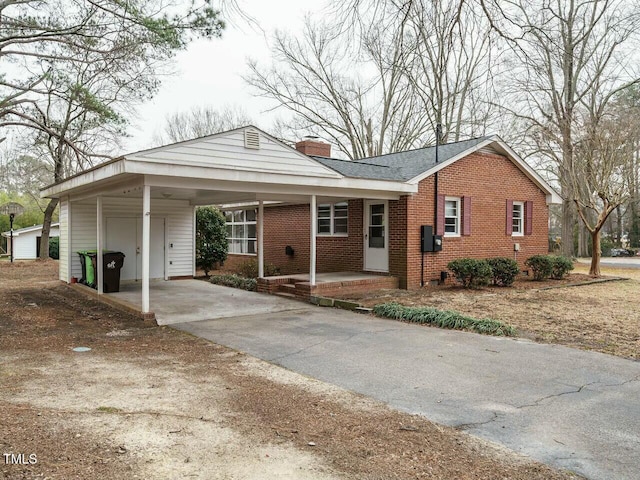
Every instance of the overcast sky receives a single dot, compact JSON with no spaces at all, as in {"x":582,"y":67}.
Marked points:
{"x":209,"y":72}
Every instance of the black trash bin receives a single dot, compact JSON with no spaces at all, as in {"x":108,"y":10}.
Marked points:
{"x":112,"y":263}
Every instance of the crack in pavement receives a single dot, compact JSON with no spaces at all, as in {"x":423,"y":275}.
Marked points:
{"x":537,"y":402}
{"x":634,"y":379}
{"x":468,"y":426}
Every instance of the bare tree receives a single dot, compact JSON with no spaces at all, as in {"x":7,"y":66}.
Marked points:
{"x":413,"y":64}
{"x":354,"y":94}
{"x":599,"y":172}
{"x":566,"y":55}
{"x":79,"y":66}
{"x":450,"y":65}
{"x":45,"y":33}
{"x":199,"y":122}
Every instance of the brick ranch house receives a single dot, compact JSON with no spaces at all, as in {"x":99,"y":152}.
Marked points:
{"x":481,"y":198}
{"x":318,"y":214}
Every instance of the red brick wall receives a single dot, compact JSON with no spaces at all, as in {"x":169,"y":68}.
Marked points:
{"x":489,"y":180}
{"x":289,"y":225}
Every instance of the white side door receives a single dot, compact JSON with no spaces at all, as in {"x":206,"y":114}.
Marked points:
{"x":376,"y":235}
{"x":157,"y":251}
{"x":121,"y":237}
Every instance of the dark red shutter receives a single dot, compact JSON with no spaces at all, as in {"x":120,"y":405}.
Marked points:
{"x":440,"y":215}
{"x":528,"y":215}
{"x":509,"y":229}
{"x":466,"y":215}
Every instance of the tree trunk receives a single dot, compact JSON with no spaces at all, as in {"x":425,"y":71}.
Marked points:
{"x":584,"y":241}
{"x":594,"y":269}
{"x":619,"y":226}
{"x":568,"y":225}
{"x":634,"y":230}
{"x":46,"y":228}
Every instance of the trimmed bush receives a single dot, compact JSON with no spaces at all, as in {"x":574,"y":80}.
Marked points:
{"x":471,"y":273}
{"x":560,"y":266}
{"x":505,"y":270}
{"x":234,"y":281}
{"x":541,"y":265}
{"x":249,"y":269}
{"x":443,"y":319}
{"x":54,"y":248}
{"x":211,"y":238}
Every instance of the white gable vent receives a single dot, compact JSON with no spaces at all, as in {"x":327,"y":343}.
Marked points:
{"x":252,"y":139}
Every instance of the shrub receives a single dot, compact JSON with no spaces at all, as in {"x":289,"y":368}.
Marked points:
{"x":471,"y":272}
{"x":443,"y":319}
{"x":542,"y":266}
{"x":560,"y":266}
{"x":211,"y":238}
{"x":235,"y":281}
{"x":505,"y":270}
{"x":249,"y":269}
{"x":54,"y":248}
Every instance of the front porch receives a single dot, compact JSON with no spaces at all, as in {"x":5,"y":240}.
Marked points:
{"x":326,"y":284}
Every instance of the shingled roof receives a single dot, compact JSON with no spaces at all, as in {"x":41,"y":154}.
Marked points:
{"x":401,"y":166}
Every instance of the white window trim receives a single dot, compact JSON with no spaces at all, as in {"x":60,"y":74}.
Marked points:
{"x":245,"y":223}
{"x":458,"y":201}
{"x":332,"y":218}
{"x":522,"y":220}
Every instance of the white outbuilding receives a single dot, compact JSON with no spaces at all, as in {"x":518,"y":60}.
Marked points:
{"x":26,"y":241}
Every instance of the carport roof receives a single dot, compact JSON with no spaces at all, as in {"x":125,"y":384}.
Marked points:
{"x":245,"y":164}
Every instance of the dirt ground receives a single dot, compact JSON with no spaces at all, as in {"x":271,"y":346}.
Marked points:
{"x":604,"y":316}
{"x":152,"y":402}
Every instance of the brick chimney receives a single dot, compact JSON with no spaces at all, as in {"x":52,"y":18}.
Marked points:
{"x":314,"y":147}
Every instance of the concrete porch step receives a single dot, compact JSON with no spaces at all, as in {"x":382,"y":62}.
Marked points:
{"x":286,"y":295}
{"x":288,"y":288}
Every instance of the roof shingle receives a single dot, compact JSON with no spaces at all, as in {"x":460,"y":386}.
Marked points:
{"x":400,"y":166}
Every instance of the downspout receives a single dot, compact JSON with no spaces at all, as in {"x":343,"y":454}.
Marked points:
{"x":435,"y":198}
{"x":435,"y":181}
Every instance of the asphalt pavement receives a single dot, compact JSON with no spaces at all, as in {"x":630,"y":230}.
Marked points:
{"x":568,"y":408}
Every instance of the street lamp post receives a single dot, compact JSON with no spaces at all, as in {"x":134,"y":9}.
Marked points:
{"x":11,"y":217}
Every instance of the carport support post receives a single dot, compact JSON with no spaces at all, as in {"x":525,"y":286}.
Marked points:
{"x":146,"y":236}
{"x":260,"y":239}
{"x":312,"y":250}
{"x":99,"y":245}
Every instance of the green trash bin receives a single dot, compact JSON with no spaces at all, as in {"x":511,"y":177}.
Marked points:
{"x":88,"y":262}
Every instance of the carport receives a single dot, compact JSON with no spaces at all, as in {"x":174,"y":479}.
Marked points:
{"x":145,"y":202}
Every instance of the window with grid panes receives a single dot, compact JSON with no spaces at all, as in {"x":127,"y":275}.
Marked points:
{"x":333,"y":218}
{"x":241,"y":231}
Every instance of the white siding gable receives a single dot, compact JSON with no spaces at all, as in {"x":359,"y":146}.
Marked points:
{"x":231,"y":151}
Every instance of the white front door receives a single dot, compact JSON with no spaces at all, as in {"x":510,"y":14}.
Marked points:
{"x":124,"y":234}
{"x":376,"y":235}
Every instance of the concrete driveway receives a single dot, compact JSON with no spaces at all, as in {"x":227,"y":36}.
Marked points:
{"x":568,"y":408}
{"x":180,"y":301}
